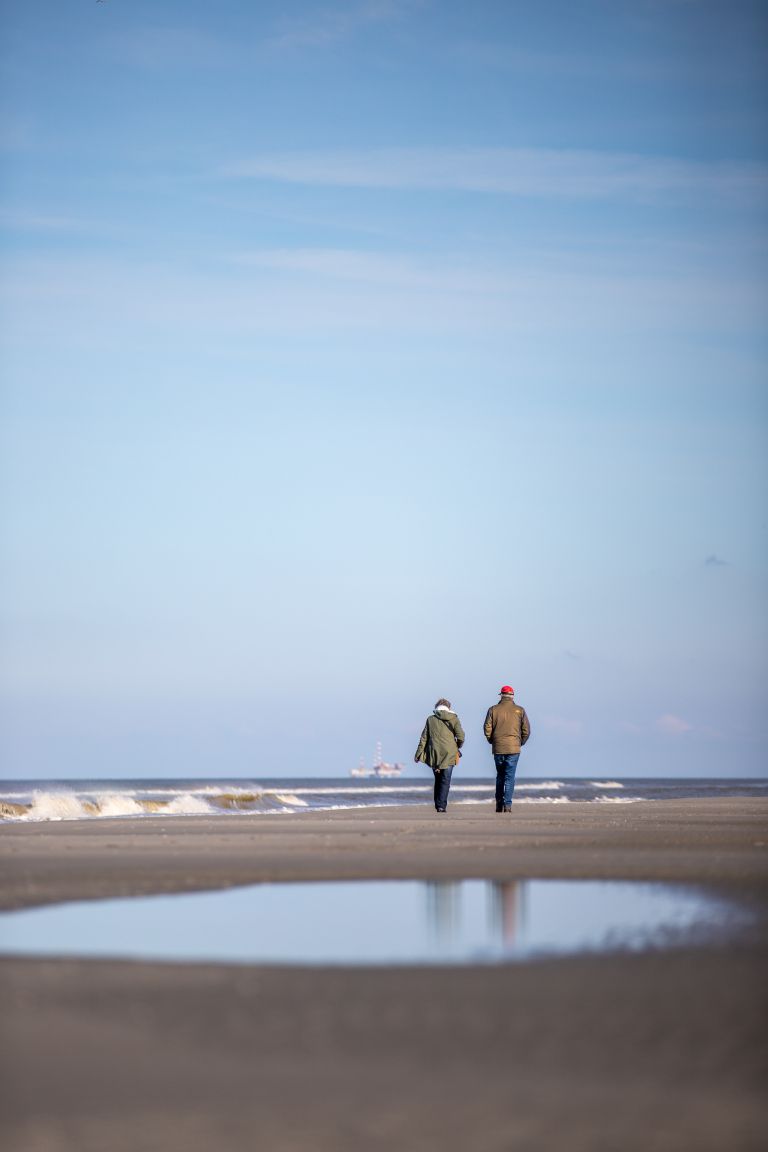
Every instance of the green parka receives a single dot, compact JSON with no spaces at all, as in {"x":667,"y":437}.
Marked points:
{"x":441,"y":739}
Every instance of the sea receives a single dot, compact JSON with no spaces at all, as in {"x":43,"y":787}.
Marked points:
{"x":36,"y":800}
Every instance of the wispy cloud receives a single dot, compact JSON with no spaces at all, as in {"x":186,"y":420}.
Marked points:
{"x":714,"y":561}
{"x":671,"y":725}
{"x":512,"y":171}
{"x":327,"y":26}
{"x":518,"y":295}
{"x":328,"y":290}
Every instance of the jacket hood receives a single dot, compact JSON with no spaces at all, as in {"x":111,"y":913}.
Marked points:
{"x":443,"y":708}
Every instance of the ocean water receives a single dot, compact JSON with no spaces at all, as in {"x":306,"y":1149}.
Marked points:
{"x":33,"y":800}
{"x":380,"y":922}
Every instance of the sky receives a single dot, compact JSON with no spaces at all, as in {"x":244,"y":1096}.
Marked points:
{"x":363,"y":353}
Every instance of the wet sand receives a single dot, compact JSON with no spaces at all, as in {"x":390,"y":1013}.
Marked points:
{"x":718,"y":841}
{"x":661,"y":1051}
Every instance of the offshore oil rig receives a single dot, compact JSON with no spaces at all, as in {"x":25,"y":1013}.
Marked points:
{"x":379,"y":768}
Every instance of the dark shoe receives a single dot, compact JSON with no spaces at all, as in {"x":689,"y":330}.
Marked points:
{"x":440,"y":809}
{"x":507,"y":808}
{"x":499,"y":808}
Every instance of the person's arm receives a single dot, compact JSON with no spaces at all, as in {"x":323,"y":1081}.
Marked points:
{"x":525,"y":727}
{"x":488,"y":726}
{"x":458,"y":732}
{"x":422,"y":746}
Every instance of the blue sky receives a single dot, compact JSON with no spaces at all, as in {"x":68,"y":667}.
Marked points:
{"x":363,"y":353}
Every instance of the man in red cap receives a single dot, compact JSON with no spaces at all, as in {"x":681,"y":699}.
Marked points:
{"x":506,"y":730}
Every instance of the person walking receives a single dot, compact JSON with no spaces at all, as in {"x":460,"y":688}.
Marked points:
{"x":506,"y":730}
{"x":439,"y":747}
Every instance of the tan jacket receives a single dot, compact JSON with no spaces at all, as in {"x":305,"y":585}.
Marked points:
{"x":506,"y":727}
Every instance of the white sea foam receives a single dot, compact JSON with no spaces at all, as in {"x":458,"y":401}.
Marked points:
{"x":540,"y":786}
{"x":118,"y":804}
{"x":544,"y":800}
{"x":290,"y":798}
{"x":223,"y":789}
{"x":186,"y":804}
{"x":55,"y":806}
{"x":605,"y":784}
{"x":561,"y":800}
{"x":326,"y":808}
{"x":617,"y":799}
{"x":521,"y":800}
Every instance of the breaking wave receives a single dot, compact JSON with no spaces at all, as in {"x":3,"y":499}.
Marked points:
{"x":48,"y":800}
{"x":291,"y":800}
{"x":59,"y":806}
{"x":209,"y":800}
{"x":73,"y":806}
{"x":539,"y":786}
{"x":117,"y":805}
{"x":186,"y":805}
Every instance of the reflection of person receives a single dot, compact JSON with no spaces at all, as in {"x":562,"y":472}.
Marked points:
{"x":506,"y":730}
{"x":508,"y":910}
{"x":444,"y":913}
{"x":439,"y":747}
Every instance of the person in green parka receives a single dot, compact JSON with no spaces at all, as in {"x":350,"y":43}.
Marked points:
{"x":439,"y":748}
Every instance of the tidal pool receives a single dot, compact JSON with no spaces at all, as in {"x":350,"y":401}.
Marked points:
{"x":377,"y":922}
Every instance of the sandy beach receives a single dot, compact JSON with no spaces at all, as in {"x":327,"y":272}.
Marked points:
{"x":664,"y":1050}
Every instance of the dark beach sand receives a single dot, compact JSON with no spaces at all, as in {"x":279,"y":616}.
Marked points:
{"x":659,"y":1051}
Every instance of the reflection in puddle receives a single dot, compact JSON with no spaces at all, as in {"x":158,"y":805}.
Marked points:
{"x":507,"y":911}
{"x":370,"y":922}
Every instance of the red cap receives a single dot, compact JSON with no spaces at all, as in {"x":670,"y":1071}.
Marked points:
{"x":506,"y":691}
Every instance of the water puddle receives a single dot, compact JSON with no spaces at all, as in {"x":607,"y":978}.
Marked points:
{"x":379,"y":922}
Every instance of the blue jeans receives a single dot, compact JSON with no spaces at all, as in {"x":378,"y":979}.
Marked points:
{"x":506,"y":766}
{"x":442,"y":786}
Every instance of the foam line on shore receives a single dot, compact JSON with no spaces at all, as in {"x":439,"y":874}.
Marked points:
{"x":87,"y":800}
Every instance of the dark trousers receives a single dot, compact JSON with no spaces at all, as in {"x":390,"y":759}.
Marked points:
{"x":506,"y":767}
{"x":442,"y":787}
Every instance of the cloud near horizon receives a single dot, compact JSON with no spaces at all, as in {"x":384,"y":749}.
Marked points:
{"x":672,"y":725}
